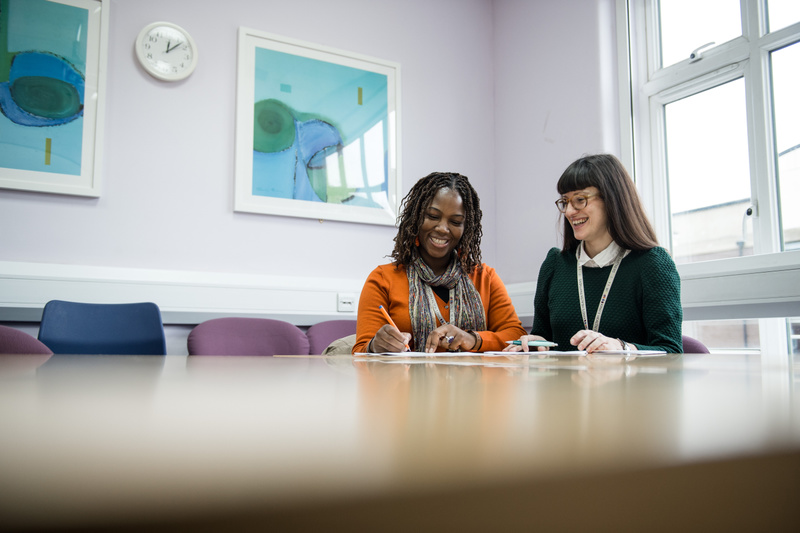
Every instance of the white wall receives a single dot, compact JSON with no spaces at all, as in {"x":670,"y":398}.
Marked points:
{"x":555,"y":100}
{"x":167,"y":192}
{"x":507,"y":92}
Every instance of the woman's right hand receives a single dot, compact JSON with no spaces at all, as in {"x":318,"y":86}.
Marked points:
{"x":389,"y":339}
{"x":523,"y":345}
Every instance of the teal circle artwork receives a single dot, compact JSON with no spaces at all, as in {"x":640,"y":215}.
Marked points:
{"x":46,"y":97}
{"x":273,"y":127}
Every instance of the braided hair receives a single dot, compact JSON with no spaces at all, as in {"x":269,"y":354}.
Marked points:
{"x":414,"y":206}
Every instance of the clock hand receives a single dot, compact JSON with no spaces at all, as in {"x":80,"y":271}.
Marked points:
{"x":174,"y":47}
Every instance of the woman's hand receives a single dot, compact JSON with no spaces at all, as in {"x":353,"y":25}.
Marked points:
{"x":451,"y":338}
{"x":592,"y":341}
{"x":389,"y":339}
{"x":523,"y":344}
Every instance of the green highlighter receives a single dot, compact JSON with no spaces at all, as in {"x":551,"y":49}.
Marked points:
{"x":549,"y":344}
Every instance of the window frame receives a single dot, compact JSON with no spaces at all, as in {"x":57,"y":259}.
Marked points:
{"x":644,"y":91}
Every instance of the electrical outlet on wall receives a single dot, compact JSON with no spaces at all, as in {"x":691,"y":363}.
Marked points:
{"x":345,"y":302}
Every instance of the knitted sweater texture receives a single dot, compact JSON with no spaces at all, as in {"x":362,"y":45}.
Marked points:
{"x":643,"y":306}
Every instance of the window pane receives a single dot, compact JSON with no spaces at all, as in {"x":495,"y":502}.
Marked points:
{"x":688,"y":24}
{"x":738,"y":335}
{"x":793,"y":326}
{"x":708,"y":172}
{"x":724,"y":335}
{"x":782,"y":13}
{"x":786,"y":98}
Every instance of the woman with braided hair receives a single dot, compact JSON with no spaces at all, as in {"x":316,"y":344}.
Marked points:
{"x":436,"y":290}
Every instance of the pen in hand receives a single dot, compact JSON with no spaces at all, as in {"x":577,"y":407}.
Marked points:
{"x":391,"y":322}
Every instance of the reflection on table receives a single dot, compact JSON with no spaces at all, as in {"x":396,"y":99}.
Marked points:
{"x":469,"y":442}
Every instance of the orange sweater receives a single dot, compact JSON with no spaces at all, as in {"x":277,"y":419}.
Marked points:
{"x":388,"y":286}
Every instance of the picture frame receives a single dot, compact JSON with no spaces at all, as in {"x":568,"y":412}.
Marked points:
{"x":52,"y":95}
{"x":317,"y":131}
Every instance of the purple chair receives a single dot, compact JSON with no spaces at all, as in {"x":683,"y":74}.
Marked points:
{"x":14,"y":341}
{"x":691,"y":345}
{"x":321,"y":334}
{"x":246,"y":336}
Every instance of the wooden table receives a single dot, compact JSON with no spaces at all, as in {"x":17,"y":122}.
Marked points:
{"x":694,"y":442}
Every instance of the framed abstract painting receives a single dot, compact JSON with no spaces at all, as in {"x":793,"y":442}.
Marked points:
{"x":317,"y":131}
{"x":52,"y":89}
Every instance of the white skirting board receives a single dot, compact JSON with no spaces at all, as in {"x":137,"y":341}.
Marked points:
{"x":748,"y":287}
{"x":183,"y":297}
{"x":190,"y":297}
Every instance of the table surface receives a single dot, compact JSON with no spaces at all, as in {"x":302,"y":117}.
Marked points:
{"x":342,"y":442}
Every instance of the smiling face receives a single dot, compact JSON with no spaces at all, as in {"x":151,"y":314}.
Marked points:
{"x":441,"y":229}
{"x":589,"y":224}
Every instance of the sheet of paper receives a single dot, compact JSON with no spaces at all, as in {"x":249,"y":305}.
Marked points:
{"x":427,"y":354}
{"x":452,"y":361}
{"x":579,"y":353}
{"x":546,"y":353}
{"x":637,"y":353}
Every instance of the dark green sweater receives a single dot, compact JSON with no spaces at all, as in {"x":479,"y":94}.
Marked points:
{"x":643,"y":306}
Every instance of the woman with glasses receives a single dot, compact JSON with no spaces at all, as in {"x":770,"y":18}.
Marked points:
{"x":436,"y":295}
{"x":611,"y":286}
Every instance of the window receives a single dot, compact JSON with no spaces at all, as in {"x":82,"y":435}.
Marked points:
{"x":708,"y":173}
{"x":782,"y":13}
{"x":794,"y":335}
{"x":722,"y":135}
{"x":725,"y":335}
{"x":786,"y":98}
{"x":715,"y":135}
{"x":685,"y":23}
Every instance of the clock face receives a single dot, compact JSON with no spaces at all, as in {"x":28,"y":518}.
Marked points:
{"x":166,"y":51}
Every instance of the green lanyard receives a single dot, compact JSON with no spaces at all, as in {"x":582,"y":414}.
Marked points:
{"x":603,"y":298}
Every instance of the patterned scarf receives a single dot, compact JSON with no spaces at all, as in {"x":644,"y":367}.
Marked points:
{"x":466,"y":307}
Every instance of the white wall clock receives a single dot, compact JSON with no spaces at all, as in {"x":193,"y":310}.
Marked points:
{"x":166,"y":51}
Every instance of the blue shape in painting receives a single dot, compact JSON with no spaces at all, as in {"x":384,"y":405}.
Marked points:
{"x":43,"y":90}
{"x":310,"y":138}
{"x":307,"y":110}
{"x":42,"y":87}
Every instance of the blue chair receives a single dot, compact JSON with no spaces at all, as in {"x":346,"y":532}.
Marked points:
{"x":113,"y":329}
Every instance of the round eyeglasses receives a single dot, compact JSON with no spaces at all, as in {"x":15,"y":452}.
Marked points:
{"x":578,"y":201}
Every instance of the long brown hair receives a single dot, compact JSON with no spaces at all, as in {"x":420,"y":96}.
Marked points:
{"x":627,"y":221}
{"x":412,"y":214}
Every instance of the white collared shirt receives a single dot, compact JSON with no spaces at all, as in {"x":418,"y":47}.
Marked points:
{"x":604,"y":258}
